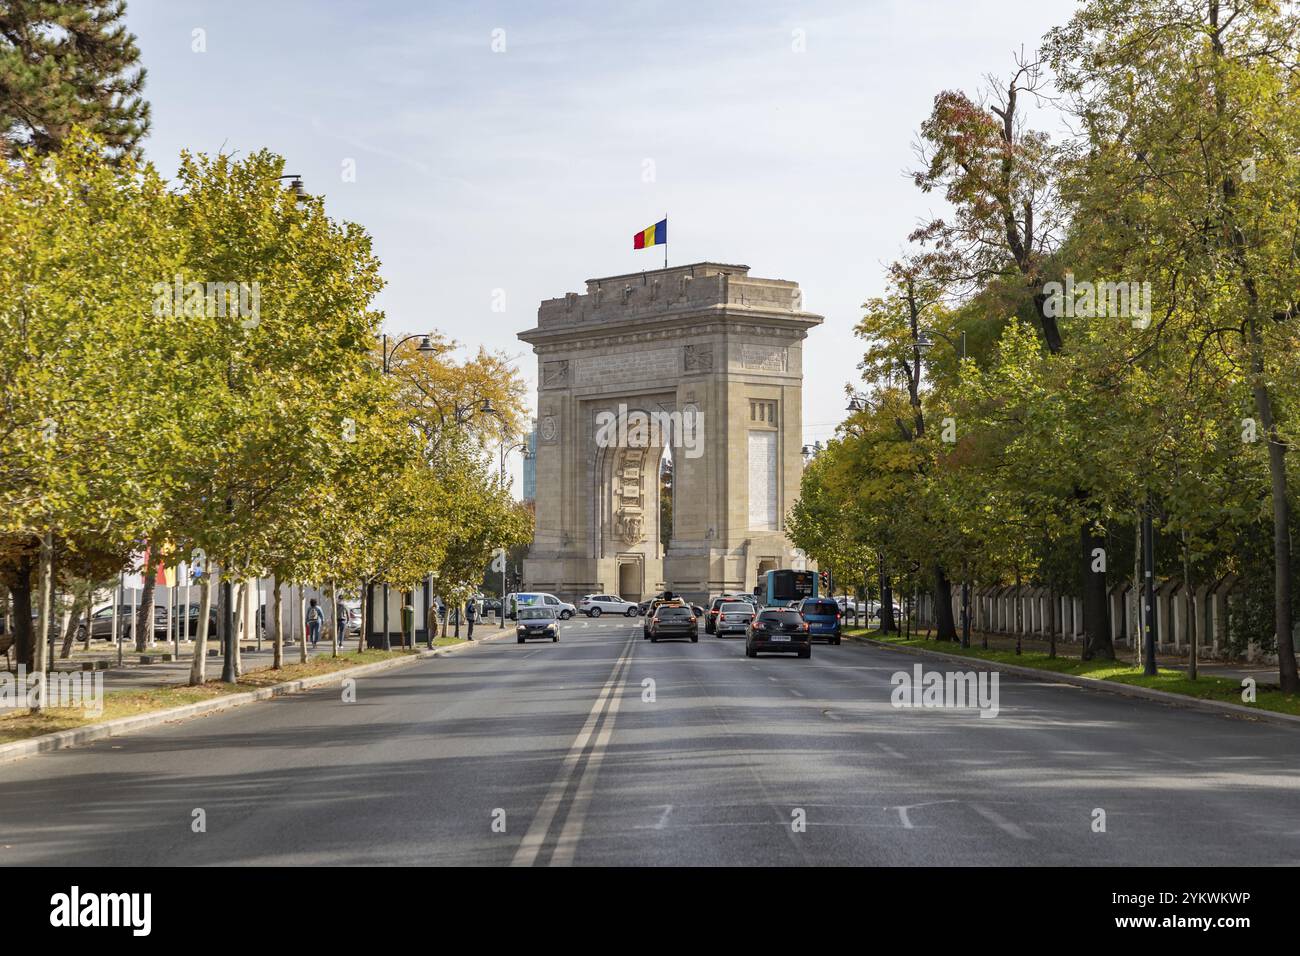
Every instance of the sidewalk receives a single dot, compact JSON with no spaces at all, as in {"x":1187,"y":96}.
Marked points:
{"x":1264,"y":675}
{"x":133,"y":675}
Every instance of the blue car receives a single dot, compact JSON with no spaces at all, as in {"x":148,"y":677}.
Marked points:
{"x":823,"y":617}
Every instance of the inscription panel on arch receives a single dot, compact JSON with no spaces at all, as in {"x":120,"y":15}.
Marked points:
{"x":634,"y":365}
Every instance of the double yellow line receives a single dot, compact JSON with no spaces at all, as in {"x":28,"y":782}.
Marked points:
{"x":606,"y":706}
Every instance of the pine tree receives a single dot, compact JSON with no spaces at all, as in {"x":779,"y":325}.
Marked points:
{"x":66,"y":64}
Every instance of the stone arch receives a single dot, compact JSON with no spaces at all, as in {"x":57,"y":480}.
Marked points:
{"x":705,"y":341}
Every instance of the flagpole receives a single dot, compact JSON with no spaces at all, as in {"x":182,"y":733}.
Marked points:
{"x":665,"y":245}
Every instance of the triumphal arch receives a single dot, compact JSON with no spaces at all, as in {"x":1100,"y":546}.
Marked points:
{"x":701,"y":365}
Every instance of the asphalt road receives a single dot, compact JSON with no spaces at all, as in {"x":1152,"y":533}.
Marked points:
{"x":554,"y":754}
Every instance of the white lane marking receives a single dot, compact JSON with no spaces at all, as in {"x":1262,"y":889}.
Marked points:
{"x":906,"y":820}
{"x":573,"y":823}
{"x":793,"y":691}
{"x":531,"y":844}
{"x":891,"y":751}
{"x":1001,"y":822}
{"x":663,"y":818}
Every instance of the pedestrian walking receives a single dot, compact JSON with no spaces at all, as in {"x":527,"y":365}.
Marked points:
{"x":341,"y":620}
{"x":471,"y":614}
{"x":315,"y":618}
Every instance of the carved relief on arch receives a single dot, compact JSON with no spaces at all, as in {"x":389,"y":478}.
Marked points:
{"x":629,"y":495}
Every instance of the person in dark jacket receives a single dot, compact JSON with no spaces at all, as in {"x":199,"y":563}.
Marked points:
{"x":471,"y":614}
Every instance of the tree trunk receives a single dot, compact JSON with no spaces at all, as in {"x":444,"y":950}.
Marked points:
{"x":366,"y":612}
{"x":945,"y":627}
{"x":1096,"y":619}
{"x":199,"y":664}
{"x":44,"y":608}
{"x":144,"y":613}
{"x":79,"y":603}
{"x":1286,"y":659}
{"x":277,"y":628}
{"x":20,"y":592}
{"x":334,"y":622}
{"x":886,"y":615}
{"x":1191,"y":610}
{"x":223,"y":631}
{"x":1051,"y":621}
{"x":302,"y":623}
{"x":90,"y":601}
{"x":239,"y":609}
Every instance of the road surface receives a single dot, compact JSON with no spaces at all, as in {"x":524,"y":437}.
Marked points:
{"x":555,"y":754}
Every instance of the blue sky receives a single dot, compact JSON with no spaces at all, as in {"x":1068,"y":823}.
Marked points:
{"x":524,"y":170}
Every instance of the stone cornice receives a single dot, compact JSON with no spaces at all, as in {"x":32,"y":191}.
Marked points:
{"x":720,"y":318}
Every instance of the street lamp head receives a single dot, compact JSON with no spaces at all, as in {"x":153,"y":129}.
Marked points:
{"x":855,"y":404}
{"x":295,"y":184}
{"x":487,"y":408}
{"x":425,"y":345}
{"x":923,"y":341}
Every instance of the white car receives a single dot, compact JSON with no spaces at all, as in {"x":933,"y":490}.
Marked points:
{"x":594,"y":605}
{"x":850,"y":607}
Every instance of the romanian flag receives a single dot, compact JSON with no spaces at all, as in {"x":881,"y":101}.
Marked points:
{"x":656,"y":235}
{"x":162,"y":574}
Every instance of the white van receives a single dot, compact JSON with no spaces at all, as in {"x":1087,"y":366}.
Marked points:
{"x":563,"y":610}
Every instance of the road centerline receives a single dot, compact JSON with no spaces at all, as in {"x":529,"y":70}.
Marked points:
{"x":537,"y":831}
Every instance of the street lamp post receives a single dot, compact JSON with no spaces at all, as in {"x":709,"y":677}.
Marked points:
{"x":225,"y":593}
{"x":387,"y":355}
{"x":507,"y":450}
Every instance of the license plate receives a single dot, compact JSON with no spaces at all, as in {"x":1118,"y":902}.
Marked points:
{"x":777,"y":638}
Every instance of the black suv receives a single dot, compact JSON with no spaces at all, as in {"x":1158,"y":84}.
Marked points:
{"x":780,"y":629}
{"x":673,"y":620}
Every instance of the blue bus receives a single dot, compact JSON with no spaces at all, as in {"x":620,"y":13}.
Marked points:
{"x":786,"y":587}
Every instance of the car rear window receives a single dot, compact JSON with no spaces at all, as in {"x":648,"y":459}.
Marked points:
{"x":820,"y":607}
{"x":738,"y":607}
{"x":779,"y":617}
{"x":536,"y":614}
{"x":674,"y":612}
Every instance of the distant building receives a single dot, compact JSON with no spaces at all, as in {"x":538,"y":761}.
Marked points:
{"x":530,"y":466}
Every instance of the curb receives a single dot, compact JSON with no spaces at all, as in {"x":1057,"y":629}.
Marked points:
{"x":1221,"y":708}
{"x":64,"y":739}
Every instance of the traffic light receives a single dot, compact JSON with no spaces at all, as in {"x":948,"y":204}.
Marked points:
{"x":824,"y":582}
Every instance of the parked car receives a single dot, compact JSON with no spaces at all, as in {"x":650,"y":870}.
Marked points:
{"x":536,"y":622}
{"x":734,"y":617}
{"x":848,"y":606}
{"x":673,"y":620}
{"x":101,"y":623}
{"x":823,"y":618}
{"x":594,"y":605}
{"x":873,"y":610}
{"x":492,"y":606}
{"x":778,"y":629}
